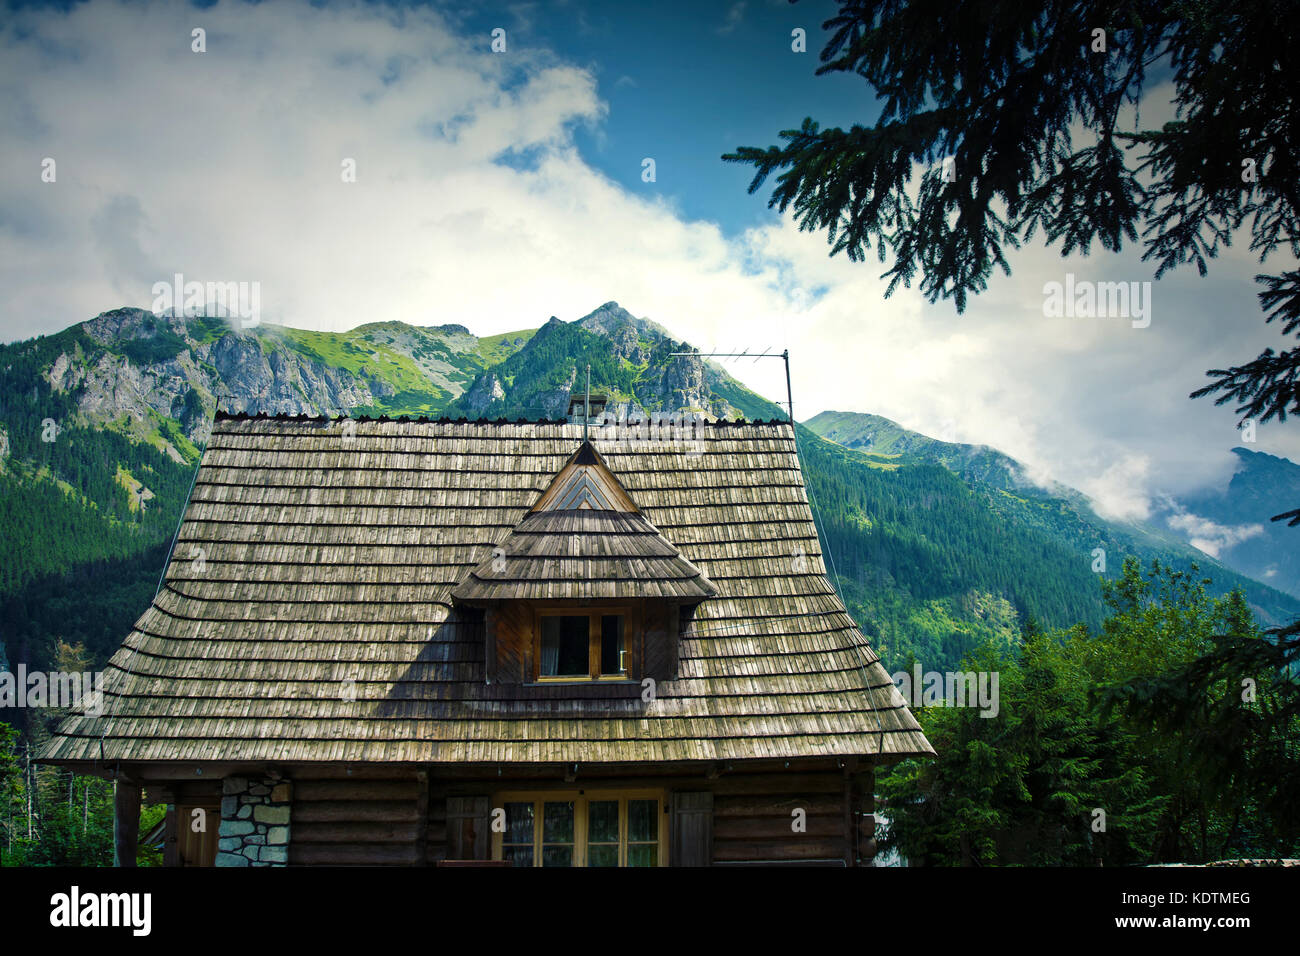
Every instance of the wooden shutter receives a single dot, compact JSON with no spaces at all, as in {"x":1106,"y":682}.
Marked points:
{"x":659,"y":636}
{"x":469,"y":832}
{"x":509,"y":649}
{"x":692,"y":835}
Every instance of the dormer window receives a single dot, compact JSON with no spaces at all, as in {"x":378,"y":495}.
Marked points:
{"x":591,"y":645}
{"x":584,"y":589}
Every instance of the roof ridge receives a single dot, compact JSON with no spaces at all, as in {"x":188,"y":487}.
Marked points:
{"x":226,"y":416}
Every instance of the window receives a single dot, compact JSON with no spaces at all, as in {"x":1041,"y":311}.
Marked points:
{"x":586,"y":645}
{"x":581,"y":828}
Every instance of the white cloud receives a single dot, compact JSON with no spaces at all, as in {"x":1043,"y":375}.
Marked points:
{"x":474,"y":206}
{"x":1207,"y":535}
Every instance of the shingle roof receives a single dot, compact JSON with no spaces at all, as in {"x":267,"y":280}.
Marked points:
{"x":585,"y":539}
{"x":584,"y":555}
{"x":313,"y":568}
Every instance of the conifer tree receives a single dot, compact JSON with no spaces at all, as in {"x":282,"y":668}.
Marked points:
{"x":1024,"y":119}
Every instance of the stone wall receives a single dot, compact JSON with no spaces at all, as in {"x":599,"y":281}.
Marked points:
{"x":254,"y":821}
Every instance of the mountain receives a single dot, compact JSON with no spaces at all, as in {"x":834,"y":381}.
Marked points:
{"x":1234,"y":522}
{"x":935,"y":547}
{"x":631,"y":362}
{"x":1228,"y":527}
{"x":888,"y":443}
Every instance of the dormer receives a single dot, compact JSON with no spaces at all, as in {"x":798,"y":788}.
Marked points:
{"x":584,"y":590}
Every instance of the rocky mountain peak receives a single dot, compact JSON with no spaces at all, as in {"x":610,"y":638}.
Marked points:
{"x":122,"y":324}
{"x":609,"y":318}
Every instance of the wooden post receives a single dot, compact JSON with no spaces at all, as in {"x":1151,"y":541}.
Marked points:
{"x":422,"y":826}
{"x":171,"y":835}
{"x":29,"y":791}
{"x":126,"y":821}
{"x":850,"y":828}
{"x":866,"y":796}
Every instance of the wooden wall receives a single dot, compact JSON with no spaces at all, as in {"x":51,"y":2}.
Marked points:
{"x":658,"y":636}
{"x":509,"y":651}
{"x":727,"y":820}
{"x":755,"y":824}
{"x":367,"y":822}
{"x":411,"y":819}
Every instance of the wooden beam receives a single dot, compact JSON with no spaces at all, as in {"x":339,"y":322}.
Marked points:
{"x":213,"y":772}
{"x":310,"y":791}
{"x":422,"y":826}
{"x":126,"y":821}
{"x":171,"y":837}
{"x":850,"y":837}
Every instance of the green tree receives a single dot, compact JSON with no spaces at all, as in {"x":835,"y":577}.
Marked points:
{"x":1237,"y":706}
{"x":11,"y":787}
{"x":1023,"y":118}
{"x":1072,"y":738}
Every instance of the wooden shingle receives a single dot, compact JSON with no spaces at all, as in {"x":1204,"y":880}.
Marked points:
{"x":309,"y":609}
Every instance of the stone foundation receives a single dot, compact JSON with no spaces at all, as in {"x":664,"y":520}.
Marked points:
{"x":254,"y":821}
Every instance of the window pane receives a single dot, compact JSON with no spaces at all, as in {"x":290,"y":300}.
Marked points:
{"x":602,"y":821}
{"x":643,"y":820}
{"x":557,"y":856}
{"x":611,"y":644}
{"x":519,"y":823}
{"x":518,"y":855}
{"x":565,"y":643}
{"x":642,"y":854}
{"x":557,"y":822}
{"x":602,"y":855}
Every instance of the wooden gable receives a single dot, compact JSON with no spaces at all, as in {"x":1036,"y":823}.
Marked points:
{"x":585,"y":484}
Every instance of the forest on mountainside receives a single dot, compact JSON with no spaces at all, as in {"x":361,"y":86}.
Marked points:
{"x":1112,"y":746}
{"x":936,"y":566}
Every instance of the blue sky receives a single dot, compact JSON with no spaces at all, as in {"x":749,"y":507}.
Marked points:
{"x":687,"y":82}
{"x":497,"y":190}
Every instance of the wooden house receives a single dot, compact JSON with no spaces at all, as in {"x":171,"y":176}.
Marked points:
{"x":448,"y":642}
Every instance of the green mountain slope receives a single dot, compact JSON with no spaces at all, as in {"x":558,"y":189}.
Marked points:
{"x":935,"y":547}
{"x":101,"y":426}
{"x":1059,"y":515}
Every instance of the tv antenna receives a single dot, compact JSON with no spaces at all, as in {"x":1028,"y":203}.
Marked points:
{"x":586,"y":406}
{"x":789,"y":403}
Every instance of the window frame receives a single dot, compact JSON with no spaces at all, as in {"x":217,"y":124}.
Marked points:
{"x":580,"y":800}
{"x":593,"y":613}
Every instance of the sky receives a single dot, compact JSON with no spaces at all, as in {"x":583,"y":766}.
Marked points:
{"x":496,"y":189}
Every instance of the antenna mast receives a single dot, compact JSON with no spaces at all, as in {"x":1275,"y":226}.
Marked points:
{"x":586,"y":405}
{"x":789,"y":397}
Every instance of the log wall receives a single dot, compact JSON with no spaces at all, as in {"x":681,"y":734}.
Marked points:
{"x":359,"y":822}
{"x":409,"y":819}
{"x":722,"y":821}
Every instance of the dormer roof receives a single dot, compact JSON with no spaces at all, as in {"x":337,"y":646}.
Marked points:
{"x":584,"y":539}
